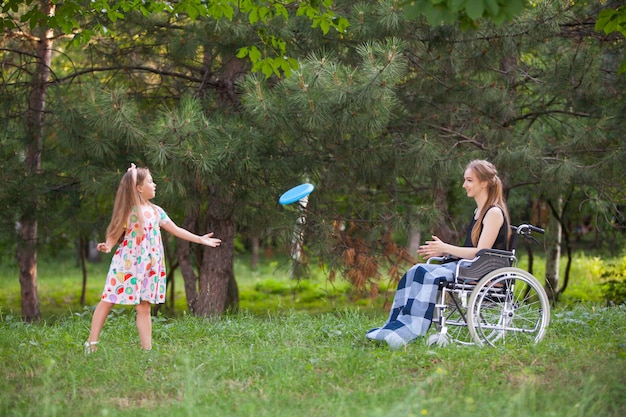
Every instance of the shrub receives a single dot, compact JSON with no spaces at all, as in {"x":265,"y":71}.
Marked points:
{"x":614,"y":283}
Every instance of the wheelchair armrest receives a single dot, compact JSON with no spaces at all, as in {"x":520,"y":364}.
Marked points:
{"x":494,"y":252}
{"x":482,"y":252}
{"x":442,"y":259}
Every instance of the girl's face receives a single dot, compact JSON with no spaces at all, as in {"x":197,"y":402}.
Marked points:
{"x":472,"y":185}
{"x":147,"y":189}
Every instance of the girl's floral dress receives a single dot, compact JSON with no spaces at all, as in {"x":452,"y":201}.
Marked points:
{"x":137,"y":272}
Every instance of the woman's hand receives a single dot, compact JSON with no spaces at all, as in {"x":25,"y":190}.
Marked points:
{"x":209,"y":240}
{"x":431,"y":248}
{"x":103,"y":247}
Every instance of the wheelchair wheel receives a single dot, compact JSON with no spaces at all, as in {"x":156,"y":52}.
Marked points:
{"x":508,"y":305}
{"x":454,"y":317}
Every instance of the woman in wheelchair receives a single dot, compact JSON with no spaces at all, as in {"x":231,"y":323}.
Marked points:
{"x":414,"y":302}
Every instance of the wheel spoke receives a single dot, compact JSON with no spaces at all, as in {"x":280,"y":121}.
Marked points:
{"x":508,"y":305}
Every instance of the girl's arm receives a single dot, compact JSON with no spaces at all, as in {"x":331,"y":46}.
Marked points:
{"x":493,"y":221}
{"x":179,"y":232}
{"x":108,"y":245}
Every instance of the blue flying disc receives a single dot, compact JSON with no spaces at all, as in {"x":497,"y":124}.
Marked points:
{"x":296,"y":193}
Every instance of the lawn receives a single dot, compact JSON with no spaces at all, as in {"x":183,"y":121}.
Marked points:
{"x":266,"y":288}
{"x":295,"y":350}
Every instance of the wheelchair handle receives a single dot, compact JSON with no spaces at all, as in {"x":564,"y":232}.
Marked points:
{"x":526,"y":229}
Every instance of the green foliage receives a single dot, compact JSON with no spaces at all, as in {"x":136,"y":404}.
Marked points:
{"x":269,"y":289}
{"x":614,"y":283}
{"x":70,"y":16}
{"x":467,"y":13}
{"x":586,"y":279}
{"x":381,"y":118}
{"x":613,"y":21}
{"x":592,"y":279}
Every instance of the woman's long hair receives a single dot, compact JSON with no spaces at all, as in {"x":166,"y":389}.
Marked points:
{"x":486,"y":171}
{"x":127,"y":199}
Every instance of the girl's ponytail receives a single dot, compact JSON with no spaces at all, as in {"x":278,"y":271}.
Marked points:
{"x":127,"y":199}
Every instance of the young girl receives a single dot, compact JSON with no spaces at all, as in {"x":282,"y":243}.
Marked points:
{"x":414,"y":302}
{"x":137,"y":272}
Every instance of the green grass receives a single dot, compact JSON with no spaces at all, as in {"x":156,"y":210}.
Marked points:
{"x":265,"y":289}
{"x":296,"y":363}
{"x":295,"y":349}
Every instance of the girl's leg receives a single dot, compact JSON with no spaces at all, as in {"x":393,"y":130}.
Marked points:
{"x":144,"y":324}
{"x":97,"y":322}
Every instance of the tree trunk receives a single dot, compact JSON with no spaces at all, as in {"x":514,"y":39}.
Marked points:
{"x":83,"y":250}
{"x":553,"y":253}
{"x":415,"y":239}
{"x":443,"y":230}
{"x":218,"y":263}
{"x":218,"y":289}
{"x":27,"y":249}
{"x":213,"y":290}
{"x":27,"y":255}
{"x":190,"y":277}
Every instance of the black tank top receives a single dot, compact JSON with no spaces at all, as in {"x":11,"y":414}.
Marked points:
{"x":501,"y":240}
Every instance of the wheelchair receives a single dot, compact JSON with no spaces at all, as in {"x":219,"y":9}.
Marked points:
{"x":490,"y":301}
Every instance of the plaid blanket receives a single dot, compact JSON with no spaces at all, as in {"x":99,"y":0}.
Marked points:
{"x":413,"y":305}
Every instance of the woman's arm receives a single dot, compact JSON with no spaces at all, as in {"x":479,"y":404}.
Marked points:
{"x":493,"y":221}
{"x":179,"y":232}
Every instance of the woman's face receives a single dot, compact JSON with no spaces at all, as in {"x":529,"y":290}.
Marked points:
{"x":472,"y":185}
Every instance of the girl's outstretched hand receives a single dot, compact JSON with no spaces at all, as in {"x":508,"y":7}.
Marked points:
{"x":102,"y":247}
{"x":209,"y":240}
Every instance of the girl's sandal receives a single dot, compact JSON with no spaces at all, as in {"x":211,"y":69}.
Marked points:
{"x":90,"y":347}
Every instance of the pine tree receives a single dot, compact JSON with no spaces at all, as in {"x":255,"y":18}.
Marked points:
{"x":381,"y":119}
{"x":529,"y":95}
